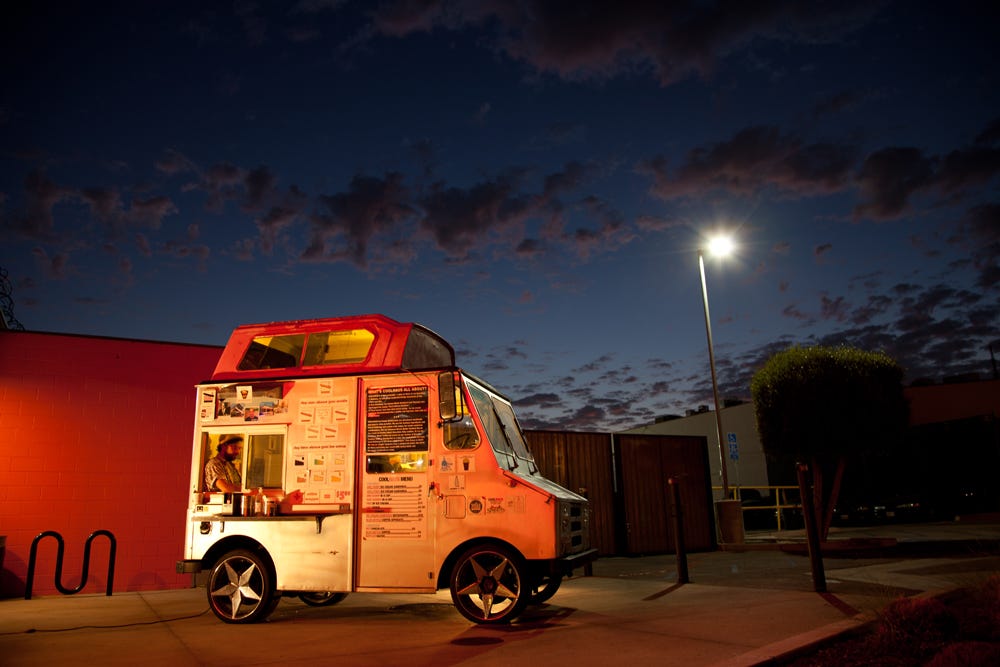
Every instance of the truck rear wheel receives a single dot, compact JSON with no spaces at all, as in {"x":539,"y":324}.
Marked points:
{"x":240,"y":588}
{"x":321,"y":598}
{"x":545,"y":588}
{"x":489,"y":584}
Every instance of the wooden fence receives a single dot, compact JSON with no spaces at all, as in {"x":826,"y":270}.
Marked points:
{"x":625,"y":478}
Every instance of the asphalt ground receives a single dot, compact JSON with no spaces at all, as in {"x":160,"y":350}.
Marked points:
{"x":744,"y":605}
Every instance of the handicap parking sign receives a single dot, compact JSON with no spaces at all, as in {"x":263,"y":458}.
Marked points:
{"x":734,"y":450}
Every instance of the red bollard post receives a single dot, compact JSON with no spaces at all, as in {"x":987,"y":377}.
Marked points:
{"x":812,"y":531}
{"x":677,"y":517}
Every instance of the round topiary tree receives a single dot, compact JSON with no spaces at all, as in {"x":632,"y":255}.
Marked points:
{"x":821,"y":405}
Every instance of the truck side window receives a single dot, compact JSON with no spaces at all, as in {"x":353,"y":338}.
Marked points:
{"x":461,"y":434}
{"x":272,"y":352}
{"x":338,"y":347}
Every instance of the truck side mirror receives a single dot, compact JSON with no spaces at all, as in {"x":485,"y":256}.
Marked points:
{"x":447,"y":407}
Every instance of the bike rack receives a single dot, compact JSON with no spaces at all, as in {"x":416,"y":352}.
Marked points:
{"x":59,"y":562}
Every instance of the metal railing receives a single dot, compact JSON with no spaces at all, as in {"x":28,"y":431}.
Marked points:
{"x":774,"y":499}
{"x":59,"y":562}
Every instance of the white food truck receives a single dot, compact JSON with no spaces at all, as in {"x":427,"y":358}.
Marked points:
{"x":370,"y":463}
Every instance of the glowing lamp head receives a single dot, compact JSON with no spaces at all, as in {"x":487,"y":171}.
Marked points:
{"x":721,"y":246}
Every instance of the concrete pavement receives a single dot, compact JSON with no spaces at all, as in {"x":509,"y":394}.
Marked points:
{"x":742,"y":607}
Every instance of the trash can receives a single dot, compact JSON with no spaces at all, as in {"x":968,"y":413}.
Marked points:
{"x":730,"y":517}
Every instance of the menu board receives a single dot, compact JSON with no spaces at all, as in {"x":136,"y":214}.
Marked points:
{"x":396,"y":509}
{"x":396,"y":419}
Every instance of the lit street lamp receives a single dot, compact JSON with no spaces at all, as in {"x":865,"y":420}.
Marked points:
{"x":730,"y":514}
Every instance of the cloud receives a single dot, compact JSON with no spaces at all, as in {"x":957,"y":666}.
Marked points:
{"x":458,"y":218}
{"x":877,"y":305}
{"x":755,"y":158}
{"x":272,"y":223}
{"x":759,"y":158}
{"x":968,"y":167}
{"x":833,"y":308}
{"x":173,"y":162}
{"x":932,"y":331}
{"x":55,"y":267}
{"x":845,"y":100}
{"x":150,"y":212}
{"x":41,"y":196}
{"x":539,"y":400}
{"x":795,"y":313}
{"x":346,"y":223}
{"x":981,"y":225}
{"x":597,"y":39}
{"x":887,"y":180}
{"x":990,"y":135}
{"x":596,"y":365}
{"x":530,"y":248}
{"x":259,"y":185}
{"x":221,"y":183}
{"x":105,"y":203}
{"x":891,"y":176}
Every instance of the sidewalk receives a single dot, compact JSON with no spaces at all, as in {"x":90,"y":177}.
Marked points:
{"x":742,"y":607}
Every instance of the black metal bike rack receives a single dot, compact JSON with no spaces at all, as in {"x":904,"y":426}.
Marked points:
{"x":59,"y":562}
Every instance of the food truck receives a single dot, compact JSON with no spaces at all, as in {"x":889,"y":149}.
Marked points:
{"x":370,"y":463}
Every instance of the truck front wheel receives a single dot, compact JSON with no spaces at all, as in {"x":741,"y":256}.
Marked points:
{"x":489,"y":584}
{"x":241,"y":589}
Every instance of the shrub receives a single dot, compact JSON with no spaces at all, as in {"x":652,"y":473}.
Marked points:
{"x":978,"y":613}
{"x":916,"y":623}
{"x":967,"y":654}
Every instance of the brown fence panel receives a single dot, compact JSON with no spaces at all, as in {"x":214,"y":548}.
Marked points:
{"x":581,"y":462}
{"x":646,"y":462}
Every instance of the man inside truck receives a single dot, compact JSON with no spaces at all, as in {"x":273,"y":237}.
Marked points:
{"x":221,"y":474}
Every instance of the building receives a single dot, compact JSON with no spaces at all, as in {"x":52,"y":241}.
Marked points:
{"x":950,"y":458}
{"x":746,"y":465}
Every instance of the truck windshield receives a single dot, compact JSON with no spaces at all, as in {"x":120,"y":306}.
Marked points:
{"x":502,"y":430}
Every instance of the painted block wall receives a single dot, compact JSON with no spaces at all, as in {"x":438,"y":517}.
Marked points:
{"x":95,"y":434}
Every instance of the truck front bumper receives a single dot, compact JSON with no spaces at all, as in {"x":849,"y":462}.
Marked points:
{"x":567,"y":564}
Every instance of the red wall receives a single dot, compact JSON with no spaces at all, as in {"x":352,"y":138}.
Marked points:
{"x":946,"y":402}
{"x":95,"y":433}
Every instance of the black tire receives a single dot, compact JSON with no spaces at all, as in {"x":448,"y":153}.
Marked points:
{"x":241,"y":588}
{"x":545,"y":588}
{"x":489,"y":584}
{"x":321,"y":598}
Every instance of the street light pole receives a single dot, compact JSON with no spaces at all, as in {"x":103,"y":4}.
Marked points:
{"x":729,"y":512}
{"x":715,"y":384}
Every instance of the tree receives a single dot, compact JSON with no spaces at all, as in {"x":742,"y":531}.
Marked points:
{"x":824,"y":405}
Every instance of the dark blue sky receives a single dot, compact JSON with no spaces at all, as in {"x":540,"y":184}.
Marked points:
{"x":529,"y":179}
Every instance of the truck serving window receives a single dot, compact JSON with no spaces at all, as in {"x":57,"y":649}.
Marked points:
{"x":265,"y":454}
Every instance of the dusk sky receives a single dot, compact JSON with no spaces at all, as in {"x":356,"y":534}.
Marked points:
{"x":531,"y":180}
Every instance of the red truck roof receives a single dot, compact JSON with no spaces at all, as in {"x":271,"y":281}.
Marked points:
{"x":331,"y":346}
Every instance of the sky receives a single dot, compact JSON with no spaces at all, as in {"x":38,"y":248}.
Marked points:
{"x":532,"y":180}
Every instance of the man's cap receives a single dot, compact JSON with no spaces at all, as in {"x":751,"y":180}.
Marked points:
{"x":230,"y":439}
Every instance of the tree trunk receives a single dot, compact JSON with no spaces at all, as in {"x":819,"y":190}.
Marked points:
{"x":838,"y":477}
{"x":819,"y":507}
